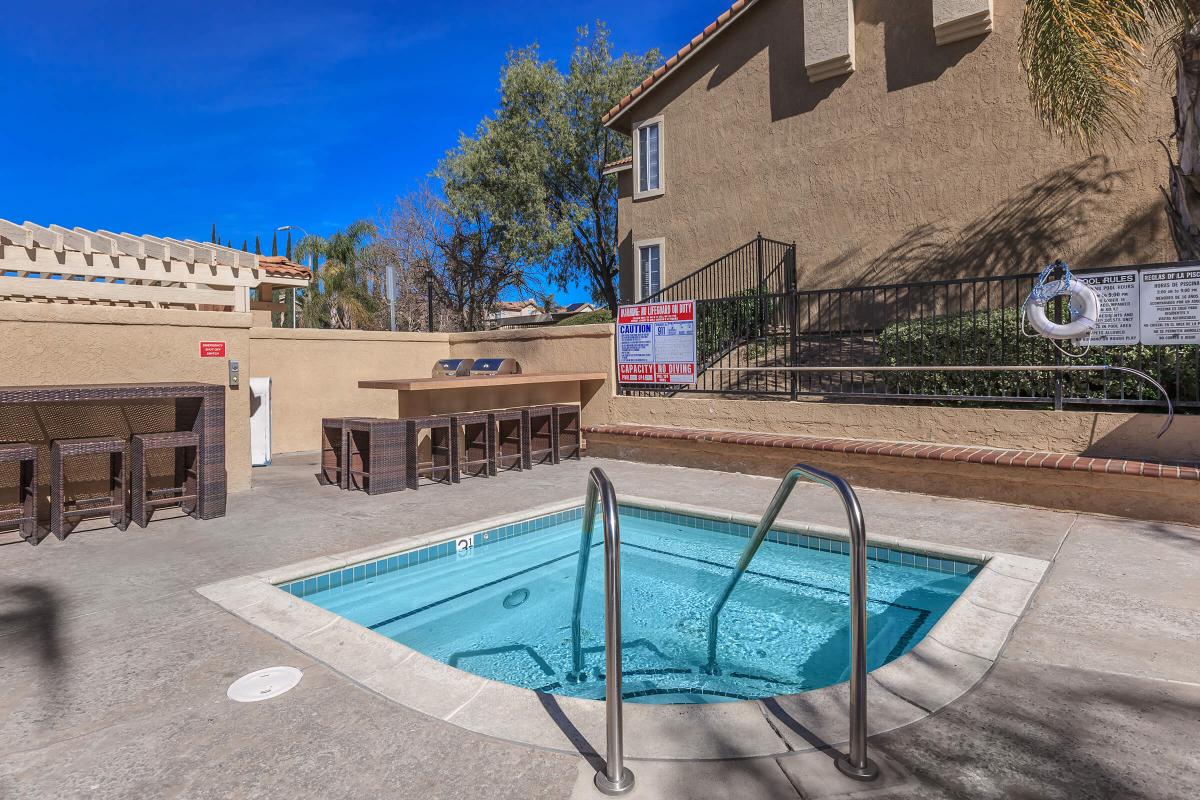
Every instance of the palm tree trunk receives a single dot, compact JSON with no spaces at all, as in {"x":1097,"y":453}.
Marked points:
{"x":1183,"y":201}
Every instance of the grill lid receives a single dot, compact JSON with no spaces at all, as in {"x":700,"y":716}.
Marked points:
{"x":453,"y":367}
{"x":496,"y":366}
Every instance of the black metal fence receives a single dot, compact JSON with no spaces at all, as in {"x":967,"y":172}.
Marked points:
{"x":760,"y":265}
{"x":744,"y":325}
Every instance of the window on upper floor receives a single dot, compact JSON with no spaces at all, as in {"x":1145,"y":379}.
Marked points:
{"x":648,"y":147}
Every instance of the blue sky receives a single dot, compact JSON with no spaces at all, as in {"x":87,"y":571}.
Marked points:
{"x":166,"y":117}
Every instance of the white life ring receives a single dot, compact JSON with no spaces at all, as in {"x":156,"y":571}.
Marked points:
{"x":1083,"y":298}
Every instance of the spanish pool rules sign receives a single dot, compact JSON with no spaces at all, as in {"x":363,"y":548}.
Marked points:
{"x":656,"y":343}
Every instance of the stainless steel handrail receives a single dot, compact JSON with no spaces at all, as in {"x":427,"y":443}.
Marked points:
{"x":856,"y":764}
{"x":981,"y":368}
{"x":615,"y":778}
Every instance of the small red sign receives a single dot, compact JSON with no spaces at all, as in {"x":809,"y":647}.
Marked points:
{"x":212,"y":349}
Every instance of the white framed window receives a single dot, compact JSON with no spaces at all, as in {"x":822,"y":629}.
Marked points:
{"x":647,"y":159}
{"x":649,"y":261}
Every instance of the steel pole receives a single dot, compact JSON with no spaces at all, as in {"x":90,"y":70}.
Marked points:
{"x":429,"y":298}
{"x":856,"y":764}
{"x":390,"y":272}
{"x":615,"y":778}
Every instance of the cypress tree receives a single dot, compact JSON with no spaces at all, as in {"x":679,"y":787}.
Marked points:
{"x":214,"y":233}
{"x":287,"y":253}
{"x":275,"y":243}
{"x":257,"y":247}
{"x":244,"y":248}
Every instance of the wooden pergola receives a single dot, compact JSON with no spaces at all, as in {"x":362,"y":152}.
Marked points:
{"x":60,"y":265}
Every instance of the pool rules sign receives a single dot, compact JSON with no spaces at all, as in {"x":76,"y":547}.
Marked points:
{"x":656,"y":343}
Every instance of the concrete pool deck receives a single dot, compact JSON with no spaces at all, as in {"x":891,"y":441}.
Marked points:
{"x":114,"y":669}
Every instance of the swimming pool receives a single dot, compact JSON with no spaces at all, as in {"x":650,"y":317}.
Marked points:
{"x":497,"y":603}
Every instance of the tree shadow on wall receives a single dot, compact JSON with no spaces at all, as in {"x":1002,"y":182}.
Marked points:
{"x":1022,"y":233}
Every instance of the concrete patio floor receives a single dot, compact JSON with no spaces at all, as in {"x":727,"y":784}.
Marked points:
{"x":113,"y":670}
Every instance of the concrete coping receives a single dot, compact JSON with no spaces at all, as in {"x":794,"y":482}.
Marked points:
{"x":951,"y":659}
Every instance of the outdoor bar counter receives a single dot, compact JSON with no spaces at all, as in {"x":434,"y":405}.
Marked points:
{"x":419,"y":397}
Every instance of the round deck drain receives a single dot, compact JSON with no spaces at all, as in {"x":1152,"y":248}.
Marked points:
{"x":264,"y":684}
{"x":516,"y":597}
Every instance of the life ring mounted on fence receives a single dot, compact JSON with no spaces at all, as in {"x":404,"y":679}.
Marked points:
{"x":1084,"y":305}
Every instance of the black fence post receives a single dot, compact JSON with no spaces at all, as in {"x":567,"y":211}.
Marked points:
{"x":762,"y":300}
{"x":793,"y":298}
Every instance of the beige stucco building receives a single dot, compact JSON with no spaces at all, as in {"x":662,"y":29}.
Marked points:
{"x":892,"y":141}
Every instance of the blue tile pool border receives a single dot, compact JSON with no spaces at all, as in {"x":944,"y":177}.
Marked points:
{"x":382,"y":566}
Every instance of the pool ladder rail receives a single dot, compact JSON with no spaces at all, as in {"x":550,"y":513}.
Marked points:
{"x":615,"y":778}
{"x":856,"y":764}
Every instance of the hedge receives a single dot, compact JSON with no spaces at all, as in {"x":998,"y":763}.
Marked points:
{"x":588,"y":318}
{"x":994,"y":337}
{"x":722,"y":322}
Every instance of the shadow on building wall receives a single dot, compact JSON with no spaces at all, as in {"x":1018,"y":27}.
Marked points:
{"x":1019,"y":235}
{"x":911,"y":52}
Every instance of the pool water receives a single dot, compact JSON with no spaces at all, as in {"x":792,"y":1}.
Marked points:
{"x":502,"y":607}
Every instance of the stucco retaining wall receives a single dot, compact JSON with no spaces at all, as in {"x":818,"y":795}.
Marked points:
{"x":1121,"y":495}
{"x":1099,"y":434}
{"x":315,"y":374}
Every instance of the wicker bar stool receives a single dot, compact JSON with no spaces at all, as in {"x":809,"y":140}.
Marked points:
{"x":182,"y":493}
{"x":333,"y":452}
{"x":566,"y":427}
{"x":442,"y":466}
{"x":64,"y":513}
{"x":478,"y":453}
{"x":378,"y":458}
{"x":512,"y":439}
{"x":543,"y":439}
{"x":24,"y":455}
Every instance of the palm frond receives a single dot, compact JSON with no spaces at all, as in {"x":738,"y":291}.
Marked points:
{"x":1085,"y":60}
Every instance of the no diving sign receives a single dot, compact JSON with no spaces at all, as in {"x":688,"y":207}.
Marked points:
{"x":656,"y":343}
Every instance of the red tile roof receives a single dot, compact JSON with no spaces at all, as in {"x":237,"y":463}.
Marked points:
{"x":281,"y":267}
{"x":720,"y":24}
{"x":618,"y":165}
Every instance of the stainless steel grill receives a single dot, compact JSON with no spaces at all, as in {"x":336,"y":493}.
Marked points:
{"x":496,"y":366}
{"x":453,"y":367}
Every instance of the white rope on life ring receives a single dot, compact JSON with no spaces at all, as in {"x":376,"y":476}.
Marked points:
{"x":1083,"y":298}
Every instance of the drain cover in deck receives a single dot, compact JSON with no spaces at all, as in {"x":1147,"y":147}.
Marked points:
{"x":264,"y":684}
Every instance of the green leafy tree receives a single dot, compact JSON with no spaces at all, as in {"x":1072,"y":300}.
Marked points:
{"x":479,"y":229}
{"x":539,"y":162}
{"x":1086,"y":64}
{"x":339,"y":296}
